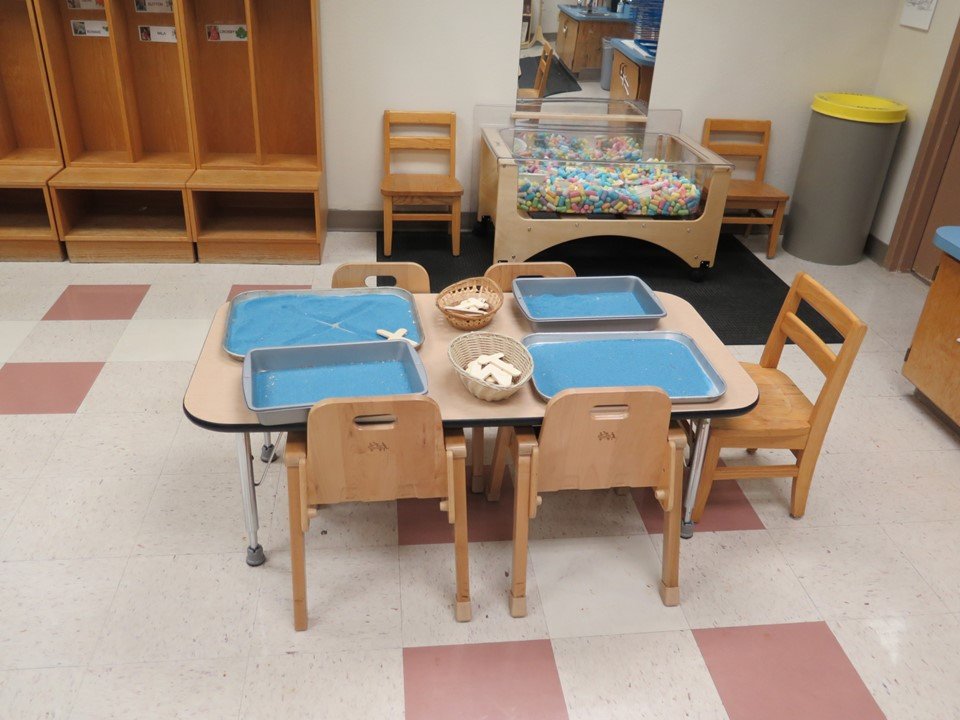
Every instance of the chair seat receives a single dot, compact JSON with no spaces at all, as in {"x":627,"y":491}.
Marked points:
{"x":424,"y":185}
{"x":782,"y":414}
{"x":754,"y":190}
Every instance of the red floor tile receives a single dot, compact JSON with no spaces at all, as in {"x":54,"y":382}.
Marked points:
{"x":513,"y":680}
{"x":97,"y":302}
{"x":419,"y":522}
{"x":45,"y":388}
{"x":727,"y":509}
{"x":237,"y":289}
{"x":787,"y":672}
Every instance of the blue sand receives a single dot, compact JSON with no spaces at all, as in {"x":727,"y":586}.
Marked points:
{"x":601,"y":304}
{"x":667,"y":364}
{"x":306,"y":386}
{"x":290,"y":319}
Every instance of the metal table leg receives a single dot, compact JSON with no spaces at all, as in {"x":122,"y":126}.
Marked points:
{"x":696,"y":470}
{"x":268,"y":451}
{"x":255,"y":554}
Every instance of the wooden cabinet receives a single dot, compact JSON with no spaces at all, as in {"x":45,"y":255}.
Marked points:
{"x":628,"y":80}
{"x":580,"y":44}
{"x":933,"y":361}
{"x":29,"y":146}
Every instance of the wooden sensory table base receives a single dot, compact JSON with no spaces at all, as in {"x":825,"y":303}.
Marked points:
{"x":519,"y":237}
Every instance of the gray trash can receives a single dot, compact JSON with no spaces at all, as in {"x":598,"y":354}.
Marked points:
{"x":606,"y":64}
{"x":849,"y":145}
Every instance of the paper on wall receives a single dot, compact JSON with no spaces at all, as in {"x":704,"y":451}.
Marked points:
{"x":90,"y":28}
{"x":918,"y":13}
{"x":153,"y":6}
{"x":227,"y":33}
{"x":85,"y":5}
{"x":157,"y":33}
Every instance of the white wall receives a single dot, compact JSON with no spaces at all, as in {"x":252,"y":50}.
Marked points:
{"x":423,"y":55}
{"x":766,"y":59}
{"x":910,"y":72}
{"x":551,"y":13}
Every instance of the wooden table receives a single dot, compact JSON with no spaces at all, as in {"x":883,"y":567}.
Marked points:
{"x":214,"y":399}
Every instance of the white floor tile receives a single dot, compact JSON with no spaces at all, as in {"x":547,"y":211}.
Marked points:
{"x":12,"y":492}
{"x":30,"y":440}
{"x":602,"y":586}
{"x":70,"y":341}
{"x":12,"y":334}
{"x":908,"y":663}
{"x":344,"y":525}
{"x":201,"y":689}
{"x":353,"y":603}
{"x":38,"y":694}
{"x":83,"y":518}
{"x":144,"y":387}
{"x":196,"y":451}
{"x":23,"y":299}
{"x":180,"y":607}
{"x":183,"y":301}
{"x":730,"y":579}
{"x":53,"y":611}
{"x":169,"y":340}
{"x":586,"y":513}
{"x":893,"y":424}
{"x":274,"y":274}
{"x":931,"y":549}
{"x":856,"y":572}
{"x":428,"y":589}
{"x":655,"y":675}
{"x":326,"y":686}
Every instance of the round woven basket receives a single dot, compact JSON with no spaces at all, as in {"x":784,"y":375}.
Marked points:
{"x":471,"y":287}
{"x":469,"y":347}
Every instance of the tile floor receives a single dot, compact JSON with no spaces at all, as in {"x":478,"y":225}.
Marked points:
{"x":124,"y":593}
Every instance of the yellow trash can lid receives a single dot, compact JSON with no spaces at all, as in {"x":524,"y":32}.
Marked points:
{"x":859,"y":108}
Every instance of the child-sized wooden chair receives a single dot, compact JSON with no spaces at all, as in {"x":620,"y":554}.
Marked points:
{"x":369,"y":450}
{"x":753,"y":196}
{"x":399,"y":189}
{"x":543,"y":72}
{"x":408,"y":275}
{"x":595,"y":438}
{"x":784,"y":418}
{"x":503,"y":274}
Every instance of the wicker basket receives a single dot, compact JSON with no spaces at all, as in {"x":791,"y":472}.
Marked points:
{"x":471,"y":287}
{"x":472,"y":345}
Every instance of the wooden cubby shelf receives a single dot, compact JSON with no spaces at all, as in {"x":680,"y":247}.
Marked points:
{"x":108,"y":215}
{"x":29,"y":146}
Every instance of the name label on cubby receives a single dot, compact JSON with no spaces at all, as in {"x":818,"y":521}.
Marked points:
{"x":85,"y":5}
{"x":90,"y":28}
{"x":227,"y":33}
{"x":157,"y":33}
{"x":153,"y":6}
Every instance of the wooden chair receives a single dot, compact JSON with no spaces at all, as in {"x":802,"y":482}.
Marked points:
{"x":503,"y":274}
{"x":595,"y":438}
{"x":543,"y":72}
{"x":784,"y":418}
{"x":369,"y":450}
{"x":408,"y":275}
{"x":420,"y":189}
{"x":753,"y":196}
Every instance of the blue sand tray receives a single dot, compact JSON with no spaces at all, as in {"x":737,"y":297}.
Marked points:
{"x":669,"y":364}
{"x":602,"y":304}
{"x":291,"y":319}
{"x":306,"y":386}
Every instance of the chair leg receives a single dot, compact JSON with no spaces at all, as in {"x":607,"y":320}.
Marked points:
{"x":521,"y":530}
{"x":670,"y":574}
{"x":710,"y":459}
{"x":500,"y":450}
{"x":455,"y":225}
{"x":476,"y":460}
{"x":775,"y":229}
{"x":460,"y":539}
{"x":298,"y":569}
{"x":800,"y":490}
{"x":387,"y":226}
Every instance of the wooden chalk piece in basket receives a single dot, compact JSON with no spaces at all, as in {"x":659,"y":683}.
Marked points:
{"x":469,"y":347}
{"x":471,"y":287}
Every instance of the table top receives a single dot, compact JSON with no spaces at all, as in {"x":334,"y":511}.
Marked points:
{"x":214,"y":398}
{"x":633,"y":52}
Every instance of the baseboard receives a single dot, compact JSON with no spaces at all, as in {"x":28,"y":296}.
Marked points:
{"x":372,"y":221}
{"x":876,"y":249}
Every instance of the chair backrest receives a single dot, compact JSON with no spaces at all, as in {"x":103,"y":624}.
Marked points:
{"x":835,"y":367}
{"x":444,"y":142}
{"x":543,"y":70}
{"x":374,"y":449}
{"x":409,"y":276}
{"x":503,"y":274}
{"x":755,"y":149}
{"x":596,"y":438}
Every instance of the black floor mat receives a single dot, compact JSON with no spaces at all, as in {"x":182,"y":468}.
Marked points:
{"x":560,"y":80}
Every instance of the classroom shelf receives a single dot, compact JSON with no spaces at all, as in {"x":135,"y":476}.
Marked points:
{"x":136,"y":215}
{"x":27,"y":228}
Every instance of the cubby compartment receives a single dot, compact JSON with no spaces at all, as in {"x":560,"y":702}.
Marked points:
{"x":119,"y":93}
{"x":27,"y":229}
{"x":101,"y":220}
